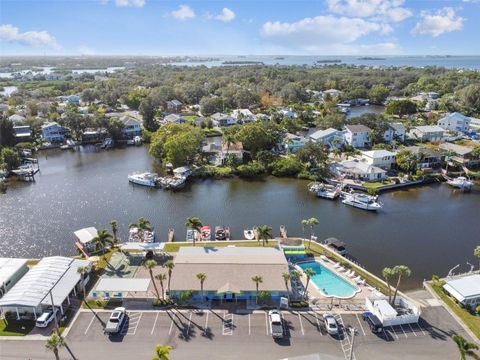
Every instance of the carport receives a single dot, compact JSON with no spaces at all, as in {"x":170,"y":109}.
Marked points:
{"x":119,"y":287}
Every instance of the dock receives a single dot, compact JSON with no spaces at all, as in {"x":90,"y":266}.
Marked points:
{"x":171,"y":234}
{"x":283,"y":232}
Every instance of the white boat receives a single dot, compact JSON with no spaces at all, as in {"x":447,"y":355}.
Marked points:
{"x":137,"y":140}
{"x":460,"y":182}
{"x":362,"y":201}
{"x":135,"y":235}
{"x":325,"y":191}
{"x":191,"y":234}
{"x":145,"y":179}
{"x":249,"y":234}
{"x":206,"y":233}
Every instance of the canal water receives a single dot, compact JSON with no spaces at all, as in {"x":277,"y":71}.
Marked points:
{"x":431,"y":229}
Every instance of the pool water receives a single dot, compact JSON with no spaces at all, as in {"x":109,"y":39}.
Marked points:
{"x":329,"y":283}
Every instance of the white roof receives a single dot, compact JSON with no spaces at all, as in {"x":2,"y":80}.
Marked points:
{"x":86,"y":235}
{"x":455,"y":116}
{"x":324,"y":133}
{"x":9,"y":267}
{"x":142,"y":246}
{"x":464,"y":287}
{"x":430,"y":128}
{"x":376,"y":154}
{"x":384,"y":308}
{"x":58,"y":274}
{"x":122,"y":284}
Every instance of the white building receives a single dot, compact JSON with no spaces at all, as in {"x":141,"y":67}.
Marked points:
{"x":331,"y":137}
{"x":132,"y":127}
{"x":358,"y":170}
{"x":395,"y":131}
{"x":466,"y":290}
{"x":399,"y":313}
{"x":289,"y":113}
{"x":243,"y":114}
{"x":433,"y":133}
{"x":174,"y":118}
{"x":53,"y":132}
{"x":357,"y":136}
{"x":331,"y":93}
{"x":11,"y":270}
{"x":455,"y":122}
{"x":220,"y":119}
{"x":382,"y":158}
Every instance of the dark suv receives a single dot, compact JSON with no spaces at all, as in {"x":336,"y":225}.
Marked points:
{"x":373,"y":322}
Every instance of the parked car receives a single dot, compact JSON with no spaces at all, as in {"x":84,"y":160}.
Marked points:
{"x":115,"y":321}
{"x":45,"y":319}
{"x":373,"y":322}
{"x":276,"y":324}
{"x":330,"y":324}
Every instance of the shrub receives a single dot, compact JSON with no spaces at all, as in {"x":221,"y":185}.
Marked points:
{"x":287,"y":166}
{"x":162,"y":302}
{"x":251,"y":170}
{"x":298,"y":304}
{"x":213,"y":171}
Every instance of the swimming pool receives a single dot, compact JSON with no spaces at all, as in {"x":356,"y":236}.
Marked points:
{"x":329,"y":283}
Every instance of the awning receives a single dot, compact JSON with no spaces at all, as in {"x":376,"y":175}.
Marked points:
{"x":122,"y":285}
{"x":228,"y":288}
{"x":86,"y":235}
{"x":140,"y":246}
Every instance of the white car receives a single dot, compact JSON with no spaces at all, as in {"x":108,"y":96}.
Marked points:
{"x":116,"y":320}
{"x":330,"y":324}
{"x":45,"y":319}
{"x":276,"y":325}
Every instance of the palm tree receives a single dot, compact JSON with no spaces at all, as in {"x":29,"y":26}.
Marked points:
{"x":387,"y":275}
{"x":312,"y":222}
{"x":229,"y":139}
{"x":264,"y":233}
{"x":161,"y":277}
{"x":401,"y":271}
{"x":257,"y":279}
{"x":304,"y":224}
{"x":465,"y":347}
{"x":150,"y":265}
{"x":82,"y":270}
{"x":114,"y":225}
{"x":169,"y":265}
{"x":102,"y":240}
{"x":202,"y":277}
{"x":142,"y":225}
{"x":55,"y":343}
{"x":194,"y":223}
{"x":162,"y":352}
{"x":286,"y":277}
{"x":309,"y":272}
{"x":476,"y":252}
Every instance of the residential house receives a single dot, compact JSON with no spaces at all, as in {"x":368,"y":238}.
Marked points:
{"x":395,"y":131}
{"x":234,"y":149}
{"x":331,"y":93}
{"x":294,"y":142}
{"x":11,"y":270}
{"x":431,"y":133}
{"x":4,"y":108}
{"x":53,"y":132}
{"x":381,"y":158}
{"x":357,"y":136}
{"x":132,"y":127}
{"x":218,"y":152}
{"x":357,"y":169}
{"x":331,"y":137}
{"x":455,"y":122}
{"x":17,"y":119}
{"x":173,"y":118}
{"x":73,"y":99}
{"x":92,"y":136}
{"x":426,"y":158}
{"x":245,"y":115}
{"x":289,"y":113}
{"x":459,"y":154}
{"x":220,"y":119}
{"x":23,"y":133}
{"x":465,"y":290}
{"x":174,"y":106}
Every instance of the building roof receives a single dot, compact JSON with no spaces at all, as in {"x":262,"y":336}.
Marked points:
{"x":122,"y":284}
{"x":429,"y":128}
{"x":398,"y":127}
{"x":422,"y":150}
{"x":128,"y":120}
{"x":16,"y":118}
{"x":174,"y":102}
{"x":457,"y":149}
{"x":455,"y":116}
{"x":86,"y":235}
{"x":384,"y":307}
{"x":56,"y":274}
{"x":464,"y":287}
{"x":173,"y":118}
{"x":9,"y":267}
{"x":377,"y":154}
{"x":357,"y":128}
{"x":229,"y":268}
{"x":320,"y":134}
{"x":237,"y":146}
{"x":360,"y":167}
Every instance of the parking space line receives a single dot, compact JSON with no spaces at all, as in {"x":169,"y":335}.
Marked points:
{"x":266,"y":323}
{"x":413,"y":331}
{"x":132,"y":325}
{"x":318,"y":324}
{"x":404,"y":333}
{"x":423,"y":332}
{"x":394,"y":332}
{"x":171,"y":324}
{"x":249,"y":324}
{"x":361,"y":326}
{"x":189,"y":322}
{"x":154,"y":323}
{"x":227,"y":325}
{"x":301,"y":324}
{"x":387,"y":335}
{"x":89,"y":324}
{"x":206,"y":324}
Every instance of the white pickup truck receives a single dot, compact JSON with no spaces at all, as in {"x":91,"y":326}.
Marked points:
{"x":276,"y":324}
{"x":116,"y":320}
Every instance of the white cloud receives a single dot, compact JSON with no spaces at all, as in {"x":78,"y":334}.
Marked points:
{"x":438,"y":22}
{"x":321,"y":33}
{"x":41,"y":39}
{"x":184,"y":12}
{"x":385,"y":10}
{"x":134,"y":3}
{"x":227,"y":15}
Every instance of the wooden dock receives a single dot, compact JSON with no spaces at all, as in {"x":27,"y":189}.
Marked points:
{"x":283,"y":232}
{"x":80,"y":248}
{"x":171,"y":234}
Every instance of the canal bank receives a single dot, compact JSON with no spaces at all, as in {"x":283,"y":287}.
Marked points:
{"x":430,"y":229}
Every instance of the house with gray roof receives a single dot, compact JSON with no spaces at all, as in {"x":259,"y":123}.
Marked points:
{"x":465,"y":290}
{"x":357,"y":136}
{"x":455,"y":122}
{"x":358,"y":169}
{"x":427,"y":133}
{"x":333,"y":138}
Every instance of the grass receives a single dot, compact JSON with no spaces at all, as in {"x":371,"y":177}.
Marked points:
{"x":32,"y":262}
{"x":377,"y":184}
{"x":472,"y":321}
{"x":103,"y":304}
{"x":16,"y":328}
{"x":174,"y":247}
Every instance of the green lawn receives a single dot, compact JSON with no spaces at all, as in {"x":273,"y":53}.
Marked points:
{"x":376,"y":185}
{"x":173,"y":247}
{"x":472,"y":321}
{"x":15,"y":328}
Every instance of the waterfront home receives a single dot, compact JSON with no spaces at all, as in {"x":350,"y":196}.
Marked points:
{"x":400,"y":312}
{"x":427,"y":158}
{"x":53,"y":132}
{"x":85,"y":238}
{"x":294,"y":142}
{"x":17,"y":119}
{"x":22,"y":133}
{"x":333,"y":138}
{"x":289,"y":113}
{"x":90,"y":136}
{"x":11,"y":270}
{"x":455,"y":122}
{"x":131,"y":127}
{"x":465,"y":290}
{"x":229,"y":272}
{"x":358,"y":169}
{"x":173,"y":118}
{"x":220,"y":119}
{"x":174,"y":106}
{"x":73,"y":99}
{"x":53,"y":278}
{"x":459,"y":154}
{"x":395,"y":131}
{"x":235,"y":150}
{"x":381,"y":158}
{"x":427,"y":133}
{"x":331,"y":93}
{"x":357,"y":136}
{"x":243,"y":114}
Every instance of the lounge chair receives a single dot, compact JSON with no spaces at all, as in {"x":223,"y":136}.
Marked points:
{"x":323,"y":257}
{"x":342,"y":269}
{"x":336,"y":266}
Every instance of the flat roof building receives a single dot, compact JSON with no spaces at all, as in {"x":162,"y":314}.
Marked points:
{"x":466,"y":290}
{"x":11,"y":270}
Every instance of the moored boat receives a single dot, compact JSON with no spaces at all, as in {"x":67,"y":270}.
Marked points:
{"x":191,"y":234}
{"x":249,"y":234}
{"x":205,"y":233}
{"x":460,"y":182}
{"x":137,"y":235}
{"x":325,"y":191}
{"x":145,"y":179}
{"x":222,"y":233}
{"x":362,"y":201}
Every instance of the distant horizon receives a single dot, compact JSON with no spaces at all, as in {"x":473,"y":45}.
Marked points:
{"x":239,"y":54}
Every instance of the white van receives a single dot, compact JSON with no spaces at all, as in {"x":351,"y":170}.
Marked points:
{"x":45,"y":319}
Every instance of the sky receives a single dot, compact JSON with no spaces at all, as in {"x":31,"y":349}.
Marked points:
{"x":245,"y":27}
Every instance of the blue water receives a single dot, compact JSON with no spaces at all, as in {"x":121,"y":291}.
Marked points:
{"x":328,"y":282}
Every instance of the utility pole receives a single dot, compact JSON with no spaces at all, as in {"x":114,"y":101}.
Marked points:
{"x":352,"y":332}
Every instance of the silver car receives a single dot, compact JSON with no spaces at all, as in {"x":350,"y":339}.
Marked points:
{"x":330,"y":324}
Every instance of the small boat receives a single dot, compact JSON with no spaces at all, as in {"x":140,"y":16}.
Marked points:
{"x":137,"y":140}
{"x":137,"y":235}
{"x":191,"y":234}
{"x":145,"y":179}
{"x":221,"y":233}
{"x":205,"y":233}
{"x":249,"y":234}
{"x":325,"y":191}
{"x":336,"y":245}
{"x":65,"y":147}
{"x":171,"y":235}
{"x":460,"y":182}
{"x":362,"y":201}
{"x":107,"y":143}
